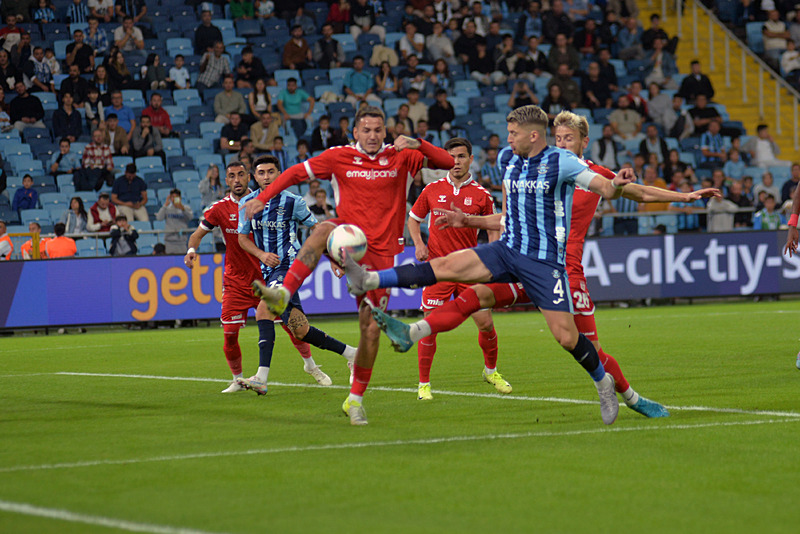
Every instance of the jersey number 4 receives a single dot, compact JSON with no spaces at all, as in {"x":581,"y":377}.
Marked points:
{"x":558,"y":289}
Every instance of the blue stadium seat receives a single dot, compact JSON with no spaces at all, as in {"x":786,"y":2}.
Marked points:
{"x":90,"y":248}
{"x":206,"y":159}
{"x":186,"y":175}
{"x":39,"y":215}
{"x":391,"y":105}
{"x":211,"y":127}
{"x":60,"y":48}
{"x":460,"y":105}
{"x":248,"y":28}
{"x":493,"y":118}
{"x":481,"y":103}
{"x":149,"y":162}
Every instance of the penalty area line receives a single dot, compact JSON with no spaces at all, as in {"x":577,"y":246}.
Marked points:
{"x":767,"y":413}
{"x":96,"y":520}
{"x":394,"y":443}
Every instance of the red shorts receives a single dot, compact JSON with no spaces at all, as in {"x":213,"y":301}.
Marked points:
{"x":439,"y":293}
{"x":236,"y":301}
{"x":581,"y":300}
{"x":375,"y":262}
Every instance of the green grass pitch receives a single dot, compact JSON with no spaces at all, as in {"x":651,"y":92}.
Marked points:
{"x":127,"y":431}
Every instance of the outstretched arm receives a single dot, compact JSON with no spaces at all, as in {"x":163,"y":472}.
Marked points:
{"x":646,"y":193}
{"x":611,"y":189}
{"x":291,"y":176}
{"x":438,"y":158}
{"x":456,"y":218}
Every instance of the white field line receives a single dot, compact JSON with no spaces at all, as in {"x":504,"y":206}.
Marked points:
{"x":72,"y":517}
{"x":73,"y":347}
{"x":394,"y":443}
{"x":441,"y":392}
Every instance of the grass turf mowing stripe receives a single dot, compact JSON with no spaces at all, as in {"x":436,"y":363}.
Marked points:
{"x":395,"y":443}
{"x":96,"y":520}
{"x":438,"y":392}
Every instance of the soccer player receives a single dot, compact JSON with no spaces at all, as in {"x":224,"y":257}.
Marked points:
{"x":538,"y":189}
{"x":370,"y":180}
{"x":240,"y":270}
{"x":792,"y":236}
{"x":271,"y":236}
{"x":457,"y":189}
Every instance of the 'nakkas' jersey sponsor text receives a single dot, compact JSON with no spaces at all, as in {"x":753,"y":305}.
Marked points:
{"x":471,"y":198}
{"x":274,"y":228}
{"x":240,"y":267}
{"x":539,"y":194}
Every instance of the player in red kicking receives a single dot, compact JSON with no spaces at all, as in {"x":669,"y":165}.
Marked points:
{"x":571,"y":132}
{"x":240,"y":270}
{"x":456,"y":189}
{"x":370,"y":180}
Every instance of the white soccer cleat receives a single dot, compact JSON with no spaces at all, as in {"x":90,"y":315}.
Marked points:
{"x":233,"y":387}
{"x":253,"y":384}
{"x":321,"y":378}
{"x":609,"y":404}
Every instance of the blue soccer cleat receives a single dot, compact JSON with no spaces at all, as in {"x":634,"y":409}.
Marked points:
{"x":398,"y":332}
{"x":649,"y":408}
{"x":798,"y":362}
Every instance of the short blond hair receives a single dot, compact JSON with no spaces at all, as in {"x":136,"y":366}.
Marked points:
{"x":368,"y":111}
{"x":528,"y":116}
{"x":573,"y":121}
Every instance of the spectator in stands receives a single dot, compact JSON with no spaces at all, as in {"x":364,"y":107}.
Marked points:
{"x":439,"y":46}
{"x":26,"y":197}
{"x":211,"y":188}
{"x":483,"y":68}
{"x":101,"y":214}
{"x":659,"y":104}
{"x":734,"y":166}
{"x":570,"y":90}
{"x":159,"y":117}
{"x":60,"y":246}
{"x":98,"y":164}
{"x":768,"y":218}
{"x":25,"y":110}
{"x":45,"y":13}
{"x":21,"y":52}
{"x":654,"y":144}
{"x":741,"y":219}
{"x":556,"y":21}
{"x":75,"y":217}
{"x":101,"y":82}
{"x":688,"y":219}
{"x":720,"y":214}
{"x":439,"y":78}
{"x":279,"y":152}
{"x":625,"y":121}
{"x":338,"y":17}
{"x":412,"y":76}
{"x":228,"y":101}
{"x":305,"y":21}
{"x":5,"y":126}
{"x":290,"y":100}
{"x":66,"y":120}
{"x":76,"y":85}
{"x":264,"y":131}
{"x":417,"y":110}
{"x":125,"y":116}
{"x":128,"y":37}
{"x":696,"y":83}
{"x":8,"y":71}
{"x":387,"y":84}
{"x":607,"y":70}
{"x":775,"y":36}
{"x":587,"y":39}
{"x":604,"y":150}
{"x":655,"y":31}
{"x":80,"y":53}
{"x":702,"y":114}
{"x":623,"y":8}
{"x":767,"y":186}
{"x":466,"y":46}
{"x":146,"y":140}
{"x":156,"y":74}
{"x":64,"y":161}
{"x":119,"y":76}
{"x":206,"y":34}
{"x":522,"y":95}
{"x":27,"y":247}
{"x":180,"y":74}
{"x":321,"y":209}
{"x":412,"y":42}
{"x":424,"y":133}
{"x":678,"y":122}
{"x":159,"y":249}
{"x":533,"y":64}
{"x":400,"y":117}
{"x":6,"y":246}
{"x":213,"y":66}
{"x":789,"y":186}
{"x":630,"y":40}
{"x":136,"y":9}
{"x":341,"y":135}
{"x":259,"y":101}
{"x":660,"y":67}
{"x":123,"y":237}
{"x":491,"y":173}
{"x":231,"y":136}
{"x":475,"y":14}
{"x":763,"y":149}
{"x":38,"y":72}
{"x":790,"y":63}
{"x":563,"y":52}
{"x":115,"y":136}
{"x":555,"y":102}
{"x":313,"y":187}
{"x":328,"y":52}
{"x":11,"y":33}
{"x":441,"y":114}
{"x":129,"y":195}
{"x":358,"y":85}
{"x":101,"y":9}
{"x":712,"y":152}
{"x":322,"y":136}
{"x":637,"y":101}
{"x":296,"y":52}
{"x":530,"y":23}
{"x":363,"y":19}
{"x":595,"y":90}
{"x":241,"y":9}
{"x":250,"y":69}
{"x":177,"y":215}
{"x":96,"y":37}
{"x":248,"y":150}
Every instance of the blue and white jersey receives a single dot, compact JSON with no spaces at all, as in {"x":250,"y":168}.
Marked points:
{"x":539,"y":202}
{"x":275,"y":228}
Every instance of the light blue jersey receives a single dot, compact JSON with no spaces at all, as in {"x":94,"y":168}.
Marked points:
{"x":275,"y":228}
{"x":539,"y":202}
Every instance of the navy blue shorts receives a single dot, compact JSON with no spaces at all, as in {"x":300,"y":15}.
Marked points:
{"x":545,"y":283}
{"x":275,"y":278}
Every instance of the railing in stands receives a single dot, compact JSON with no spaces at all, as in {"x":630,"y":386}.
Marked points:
{"x":716,"y":26}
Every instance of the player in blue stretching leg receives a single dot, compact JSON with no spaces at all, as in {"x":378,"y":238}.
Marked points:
{"x":537,"y":203}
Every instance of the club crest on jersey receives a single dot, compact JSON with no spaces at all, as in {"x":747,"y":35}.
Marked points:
{"x":542,"y":168}
{"x":556,"y":274}
{"x":442,"y":198}
{"x":357,"y":160}
{"x":233,"y":216}
{"x":468,"y":201}
{"x":383,"y":161}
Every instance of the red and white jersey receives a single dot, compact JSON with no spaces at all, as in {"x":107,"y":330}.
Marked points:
{"x":241,"y":268}
{"x":370,"y":191}
{"x":584,"y":206}
{"x":470,"y":197}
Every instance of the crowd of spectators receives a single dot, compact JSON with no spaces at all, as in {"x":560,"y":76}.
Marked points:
{"x":288,"y":85}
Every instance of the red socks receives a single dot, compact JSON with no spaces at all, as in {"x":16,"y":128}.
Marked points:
{"x":361,"y":377}
{"x":426,"y":348}
{"x":612,"y":367}
{"x":302,"y":347}
{"x":296,"y":275}
{"x":488,"y":343}
{"x":453,"y":313}
{"x":233,"y":353}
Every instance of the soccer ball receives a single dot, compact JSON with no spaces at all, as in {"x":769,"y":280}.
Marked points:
{"x":349,"y":237}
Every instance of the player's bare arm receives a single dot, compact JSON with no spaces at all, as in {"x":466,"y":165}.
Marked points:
{"x":291,"y":176}
{"x":420,"y":249}
{"x":404,"y":142}
{"x":267,"y":258}
{"x":194,"y":242}
{"x":792,"y":236}
{"x":611,"y":189}
{"x":455,"y":218}
{"x":646,"y":193}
